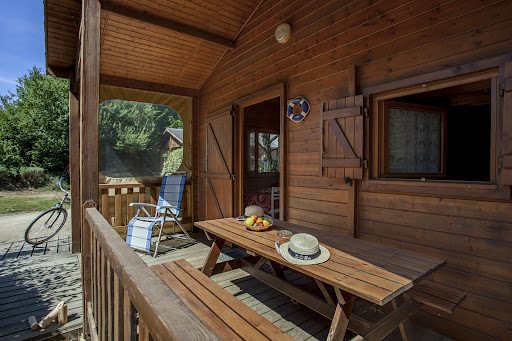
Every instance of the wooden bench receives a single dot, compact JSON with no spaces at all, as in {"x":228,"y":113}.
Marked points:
{"x":437,"y":295}
{"x":220,"y":311}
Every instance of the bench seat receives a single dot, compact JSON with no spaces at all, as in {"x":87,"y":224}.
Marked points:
{"x":220,"y":311}
{"x":437,"y":295}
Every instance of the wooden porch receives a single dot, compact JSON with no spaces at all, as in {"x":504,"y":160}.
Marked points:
{"x":34,"y":279}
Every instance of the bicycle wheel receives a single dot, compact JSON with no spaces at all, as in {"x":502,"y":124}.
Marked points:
{"x":46,"y":225}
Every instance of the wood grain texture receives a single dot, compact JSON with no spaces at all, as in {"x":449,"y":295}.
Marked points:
{"x":165,"y":314}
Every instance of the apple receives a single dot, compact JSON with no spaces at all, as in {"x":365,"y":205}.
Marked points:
{"x":249,"y":221}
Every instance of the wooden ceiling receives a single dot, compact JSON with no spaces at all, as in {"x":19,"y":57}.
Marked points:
{"x":173,"y":43}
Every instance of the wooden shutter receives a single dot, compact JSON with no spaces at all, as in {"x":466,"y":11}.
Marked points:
{"x":342,"y":138}
{"x":220,"y":165}
{"x":506,"y":146}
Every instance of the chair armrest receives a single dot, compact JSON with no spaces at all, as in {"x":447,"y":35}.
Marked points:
{"x":141,"y":204}
{"x":168,"y":206}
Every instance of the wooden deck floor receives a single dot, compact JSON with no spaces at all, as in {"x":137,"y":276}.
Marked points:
{"x":34,"y":280}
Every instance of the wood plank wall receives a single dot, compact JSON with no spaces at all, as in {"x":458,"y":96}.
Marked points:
{"x":388,"y":40}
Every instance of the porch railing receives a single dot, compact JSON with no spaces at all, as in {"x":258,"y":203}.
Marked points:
{"x":115,"y":202}
{"x":126,"y":296}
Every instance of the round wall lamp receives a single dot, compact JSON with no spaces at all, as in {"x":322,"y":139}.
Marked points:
{"x":283,"y":33}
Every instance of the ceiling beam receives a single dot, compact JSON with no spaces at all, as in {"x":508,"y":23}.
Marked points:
{"x":147,"y":86}
{"x":165,"y":23}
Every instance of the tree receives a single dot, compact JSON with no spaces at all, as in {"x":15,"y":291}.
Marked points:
{"x":34,"y":123}
{"x":134,"y":132}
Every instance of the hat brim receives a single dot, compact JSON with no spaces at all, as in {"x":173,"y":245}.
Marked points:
{"x":323,"y":257}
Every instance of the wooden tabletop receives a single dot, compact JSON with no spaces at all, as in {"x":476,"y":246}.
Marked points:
{"x":371,"y":271}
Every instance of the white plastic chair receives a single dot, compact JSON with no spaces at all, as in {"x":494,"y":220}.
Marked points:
{"x":274,"y":195}
{"x":140,"y":227}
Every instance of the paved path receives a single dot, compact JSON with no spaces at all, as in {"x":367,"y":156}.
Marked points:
{"x":12,"y":227}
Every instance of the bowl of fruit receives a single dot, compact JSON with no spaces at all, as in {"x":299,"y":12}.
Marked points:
{"x":255,"y":223}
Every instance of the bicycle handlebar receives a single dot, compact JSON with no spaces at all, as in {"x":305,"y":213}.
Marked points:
{"x":60,"y":186}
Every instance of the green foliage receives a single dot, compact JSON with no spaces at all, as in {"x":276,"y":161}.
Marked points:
{"x":134,"y":132}
{"x":9,"y":178}
{"x":173,"y":161}
{"x":34,"y":177}
{"x":34,"y":123}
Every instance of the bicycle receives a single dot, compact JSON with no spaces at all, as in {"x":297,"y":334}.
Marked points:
{"x":49,"y":223}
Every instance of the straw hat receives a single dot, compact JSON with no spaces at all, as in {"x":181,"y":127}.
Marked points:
{"x":303,"y":249}
{"x":250,"y":211}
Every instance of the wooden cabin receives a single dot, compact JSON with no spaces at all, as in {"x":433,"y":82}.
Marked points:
{"x":400,"y":78}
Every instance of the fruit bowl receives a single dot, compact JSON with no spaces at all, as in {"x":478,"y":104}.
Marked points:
{"x":257,"y":228}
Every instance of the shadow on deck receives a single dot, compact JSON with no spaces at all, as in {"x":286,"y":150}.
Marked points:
{"x":32,"y":281}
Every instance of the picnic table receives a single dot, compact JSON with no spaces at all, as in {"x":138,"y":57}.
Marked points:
{"x":356,"y":268}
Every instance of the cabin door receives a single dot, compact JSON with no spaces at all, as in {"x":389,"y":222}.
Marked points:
{"x":220,"y":165}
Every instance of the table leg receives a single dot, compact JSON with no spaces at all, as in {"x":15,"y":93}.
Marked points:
{"x":341,"y":316}
{"x":340,"y":321}
{"x":213,"y":255}
{"x":406,"y":329}
{"x":277,"y":269}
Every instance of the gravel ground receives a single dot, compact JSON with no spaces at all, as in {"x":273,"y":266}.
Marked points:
{"x":12,"y":227}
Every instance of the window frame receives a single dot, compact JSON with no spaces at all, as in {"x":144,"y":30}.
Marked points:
{"x":257,"y":131}
{"x":375,"y":181}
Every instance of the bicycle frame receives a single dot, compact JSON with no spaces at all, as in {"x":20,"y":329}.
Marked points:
{"x":65,"y":199}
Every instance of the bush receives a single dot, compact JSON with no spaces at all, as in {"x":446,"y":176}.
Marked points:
{"x":9,"y":178}
{"x":34,"y":177}
{"x":173,"y":161}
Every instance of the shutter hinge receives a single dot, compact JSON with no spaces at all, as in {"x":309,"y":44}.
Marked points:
{"x":365,"y":110}
{"x":502,"y":89}
{"x":232,"y":112}
{"x":233,"y":177}
{"x":500,"y":163}
{"x":365,"y":163}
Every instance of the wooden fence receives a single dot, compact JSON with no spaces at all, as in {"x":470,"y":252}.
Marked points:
{"x":127,"y":300}
{"x":115,"y":202}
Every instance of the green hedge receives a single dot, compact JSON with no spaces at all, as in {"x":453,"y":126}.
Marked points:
{"x":25,"y":177}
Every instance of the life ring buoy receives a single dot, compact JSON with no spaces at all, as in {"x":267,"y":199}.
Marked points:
{"x":296,"y":104}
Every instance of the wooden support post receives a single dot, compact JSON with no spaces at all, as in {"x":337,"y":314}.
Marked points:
{"x":89,"y":99}
{"x":129,"y":318}
{"x":118,"y":309}
{"x":74,"y":163}
{"x":118,"y":209}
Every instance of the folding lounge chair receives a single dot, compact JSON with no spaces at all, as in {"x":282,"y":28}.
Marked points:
{"x":140,"y":227}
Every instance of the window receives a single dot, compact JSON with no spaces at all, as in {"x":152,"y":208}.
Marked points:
{"x":263,"y":155}
{"x":443,"y":134}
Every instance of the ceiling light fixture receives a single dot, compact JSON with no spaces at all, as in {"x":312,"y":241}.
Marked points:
{"x":283,"y":33}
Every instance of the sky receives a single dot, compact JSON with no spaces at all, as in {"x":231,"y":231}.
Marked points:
{"x":21,"y":40}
